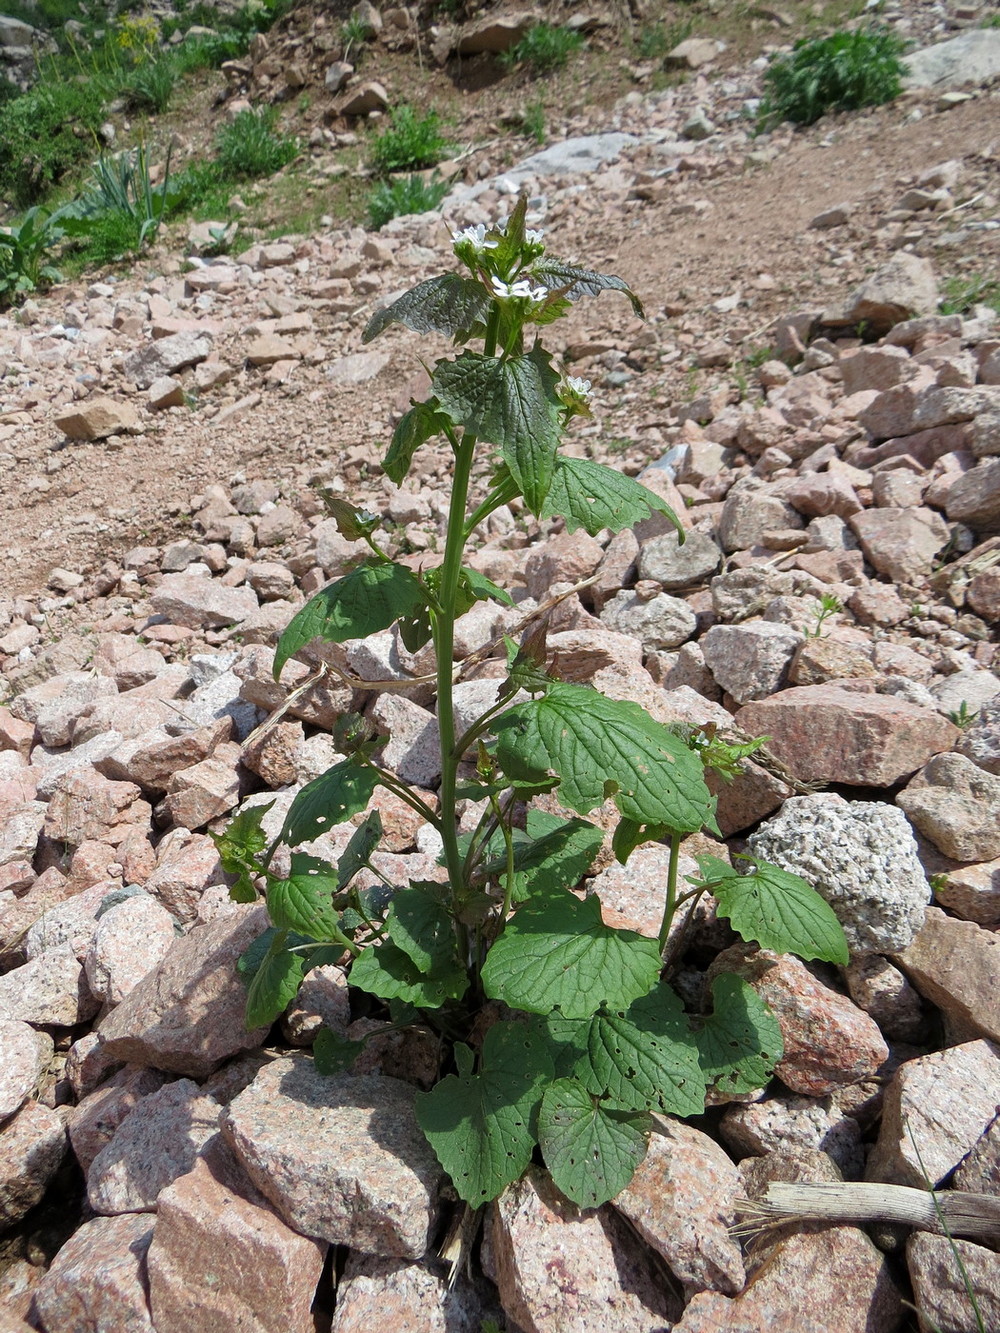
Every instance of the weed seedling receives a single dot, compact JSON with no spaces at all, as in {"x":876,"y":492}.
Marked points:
{"x":586,"y":1039}
{"x":842,"y":72}
{"x":963,"y":716}
{"x":829,"y":605}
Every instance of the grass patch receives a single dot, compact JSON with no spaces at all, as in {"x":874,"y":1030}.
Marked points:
{"x":44,"y":133}
{"x":843,"y":72}
{"x":543,"y":48}
{"x":961,"y":294}
{"x":655,"y":40}
{"x":411,"y":142}
{"x":249,"y":145}
{"x":405,"y":194}
{"x":151,"y":86}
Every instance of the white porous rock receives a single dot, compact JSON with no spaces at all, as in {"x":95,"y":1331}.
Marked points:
{"x":660,"y":621}
{"x":861,"y":857}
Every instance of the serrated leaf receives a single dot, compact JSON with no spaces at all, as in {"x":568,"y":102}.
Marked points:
{"x":780,"y":911}
{"x":368,"y":599}
{"x":238,"y":846}
{"x":482,"y":1126}
{"x":552,"y":853}
{"x":417,"y":426}
{"x":601,"y":747}
{"x":419,"y":924}
{"x":275,"y":983}
{"x":592,"y":1150}
{"x":591,"y":496}
{"x":304,"y":901}
{"x":334,"y":1053}
{"x":449,"y":304}
{"x":512,"y":404}
{"x":556,"y":952}
{"x":357,"y":853}
{"x":645,"y":1058}
{"x":342,"y":791}
{"x":386,"y":971}
{"x":575,"y":283}
{"x":740,"y":1043}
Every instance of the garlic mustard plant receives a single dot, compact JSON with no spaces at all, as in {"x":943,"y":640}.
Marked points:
{"x":586,"y":1038}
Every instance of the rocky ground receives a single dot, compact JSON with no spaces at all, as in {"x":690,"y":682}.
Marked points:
{"x":824,"y":431}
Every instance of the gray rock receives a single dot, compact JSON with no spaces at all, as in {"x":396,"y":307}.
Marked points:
{"x":573,"y":157}
{"x":750,"y":660}
{"x":971,"y":58}
{"x":220,"y":697}
{"x":659,"y":622}
{"x":342,"y":1158}
{"x":166,"y":355}
{"x":973,"y":688}
{"x":900,"y":289}
{"x":985,"y":440}
{"x":956,"y":805}
{"x":201,"y":602}
{"x":981,"y":741}
{"x":975,"y":498}
{"x":861,"y":857}
{"x":751,"y":510}
{"x":697,"y":126}
{"x":155,"y":1143}
{"x":674,"y":566}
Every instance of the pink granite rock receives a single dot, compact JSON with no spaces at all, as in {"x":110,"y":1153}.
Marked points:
{"x":201,"y":793}
{"x":156,"y":1142}
{"x":829,"y":1042}
{"x":186,"y":865}
{"x":88,"y":806}
{"x":901,"y":543}
{"x":935,"y":1109}
{"x":131,"y":939}
{"x":98,"y":1279}
{"x":32,"y":1146}
{"x":401,"y":1295}
{"x":50,"y":991}
{"x":24,"y":1053}
{"x":680,"y":1201}
{"x":940,"y":1292}
{"x":835,"y":1281}
{"x":973,"y":892}
{"x":222,"y":1261}
{"x":956,"y":804}
{"x":823,"y":733}
{"x":201,"y":602}
{"x":340,"y":1158}
{"x":955,"y":965}
{"x":804,"y":1122}
{"x":187,"y":1015}
{"x":560,"y":1268}
{"x":93,"y":1123}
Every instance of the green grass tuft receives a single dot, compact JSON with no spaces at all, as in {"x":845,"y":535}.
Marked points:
{"x":544,"y":48}
{"x":411,"y":142}
{"x":249,"y":145}
{"x":405,"y":194}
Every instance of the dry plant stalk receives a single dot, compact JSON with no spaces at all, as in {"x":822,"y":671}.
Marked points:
{"x":951,"y":1211}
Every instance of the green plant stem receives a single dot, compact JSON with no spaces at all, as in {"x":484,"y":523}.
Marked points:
{"x":670,"y":906}
{"x":508,"y":890}
{"x":444,"y":644}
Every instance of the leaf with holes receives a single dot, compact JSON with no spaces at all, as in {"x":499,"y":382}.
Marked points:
{"x":604,"y":747}
{"x":551,"y":853}
{"x":483,"y":1126}
{"x":368,"y":599}
{"x":419,"y":924}
{"x":357,"y":853}
{"x":304,"y":901}
{"x":342,"y":791}
{"x":449,"y":304}
{"x":592,"y":1150}
{"x":591,"y":496}
{"x":740,"y":1043}
{"x":645,"y":1058}
{"x":557,"y":953}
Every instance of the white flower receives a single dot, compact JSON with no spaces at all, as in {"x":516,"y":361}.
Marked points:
{"x":521,"y":288}
{"x":476,"y":236}
{"x":533,"y":235}
{"x":579,"y":386}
